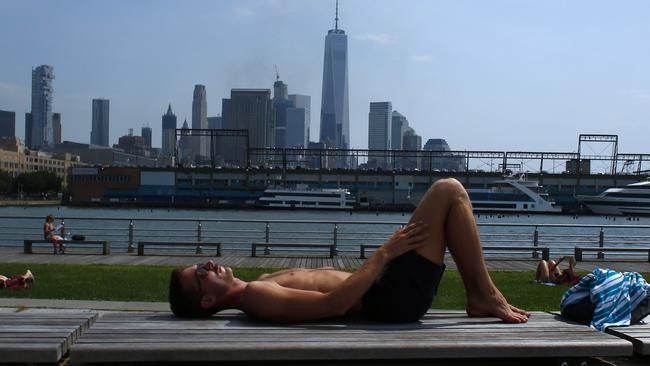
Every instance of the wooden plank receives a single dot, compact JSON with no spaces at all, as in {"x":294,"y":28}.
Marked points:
{"x":638,"y":334}
{"x":231,"y":336}
{"x":37,"y":335}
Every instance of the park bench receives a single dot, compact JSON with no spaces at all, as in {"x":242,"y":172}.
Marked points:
{"x":254,"y":246}
{"x":198,"y":245}
{"x":545,"y":251}
{"x":577,"y":252}
{"x":106,"y":245}
{"x":230,"y":337}
{"x":638,"y":334}
{"x":33,"y":336}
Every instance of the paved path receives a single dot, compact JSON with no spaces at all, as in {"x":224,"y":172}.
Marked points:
{"x":13,"y":255}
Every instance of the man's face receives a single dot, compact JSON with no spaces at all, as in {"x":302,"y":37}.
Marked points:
{"x":207,"y":279}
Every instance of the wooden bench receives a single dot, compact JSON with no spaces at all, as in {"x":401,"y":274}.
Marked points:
{"x":40,"y":336}
{"x":106,"y":245}
{"x":254,"y":247}
{"x":577,"y":252}
{"x":231,"y":337}
{"x":198,"y":245}
{"x":545,"y":251}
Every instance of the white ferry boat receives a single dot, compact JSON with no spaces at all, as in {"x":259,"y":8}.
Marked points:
{"x":633,"y":199}
{"x":301,"y":197}
{"x":512,"y":195}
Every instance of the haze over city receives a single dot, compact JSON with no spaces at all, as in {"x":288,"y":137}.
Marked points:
{"x":498,"y":75}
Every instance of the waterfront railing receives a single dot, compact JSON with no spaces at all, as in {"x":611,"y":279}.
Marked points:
{"x":237,"y":235}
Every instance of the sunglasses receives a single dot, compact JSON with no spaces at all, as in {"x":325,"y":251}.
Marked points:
{"x":200,"y":272}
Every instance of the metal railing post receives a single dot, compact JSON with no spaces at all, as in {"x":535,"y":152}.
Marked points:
{"x":335,"y":236}
{"x":267,"y":236}
{"x":535,"y":242}
{"x":199,"y":230}
{"x":63,"y":232}
{"x":130,"y":248}
{"x":601,"y":243}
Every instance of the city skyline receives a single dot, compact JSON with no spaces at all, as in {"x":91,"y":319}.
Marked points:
{"x":501,"y":69}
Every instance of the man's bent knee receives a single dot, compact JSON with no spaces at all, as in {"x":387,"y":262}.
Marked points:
{"x":449,"y":187}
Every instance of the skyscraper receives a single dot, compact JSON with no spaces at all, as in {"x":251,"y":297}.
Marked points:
{"x":42,"y":91}
{"x":399,"y":127}
{"x":169,"y":132}
{"x":334,"y":115}
{"x":146,"y":135}
{"x":28,"y":129}
{"x":99,"y":133}
{"x":280,"y":105}
{"x":7,"y":124}
{"x":251,"y":110}
{"x":200,"y":121}
{"x":56,"y":126}
{"x":379,"y":132}
{"x":298,"y":120}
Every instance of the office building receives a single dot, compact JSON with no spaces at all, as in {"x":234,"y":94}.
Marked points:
{"x":200,"y":148}
{"x":169,"y":132}
{"x":146,"y":135}
{"x":42,"y":131}
{"x":28,"y":129}
{"x":56,"y":125}
{"x":99,"y":133}
{"x":441,"y":158}
{"x":252,"y":110}
{"x":399,"y":126}
{"x":7,"y":124}
{"x":412,"y":144}
{"x":225,"y":112}
{"x":298,"y":120}
{"x":184,"y":152}
{"x":379,"y":133}
{"x":15,"y":160}
{"x":334,"y":117}
{"x":215,"y":123}
{"x":280,"y":105}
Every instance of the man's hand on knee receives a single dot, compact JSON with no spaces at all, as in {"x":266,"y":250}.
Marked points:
{"x":405,"y":239}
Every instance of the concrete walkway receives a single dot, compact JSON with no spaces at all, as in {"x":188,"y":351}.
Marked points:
{"x":277,"y":260}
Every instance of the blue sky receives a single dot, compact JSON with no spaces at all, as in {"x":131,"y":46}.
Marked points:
{"x":485,"y":75}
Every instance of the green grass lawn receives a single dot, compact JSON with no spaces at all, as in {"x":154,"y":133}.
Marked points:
{"x":149,"y":283}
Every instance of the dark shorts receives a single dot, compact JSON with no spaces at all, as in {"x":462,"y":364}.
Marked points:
{"x":404,"y":290}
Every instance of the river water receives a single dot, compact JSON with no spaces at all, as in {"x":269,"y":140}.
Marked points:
{"x":159,"y":224}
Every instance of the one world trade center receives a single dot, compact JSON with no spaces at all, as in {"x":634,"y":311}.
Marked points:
{"x":334,"y":115}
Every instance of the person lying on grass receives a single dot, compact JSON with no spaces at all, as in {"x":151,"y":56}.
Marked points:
{"x":396,"y":284}
{"x":549,"y":272}
{"x":17,"y":281}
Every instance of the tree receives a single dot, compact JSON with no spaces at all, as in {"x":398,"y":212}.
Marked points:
{"x":39,"y":182}
{"x":6,"y":182}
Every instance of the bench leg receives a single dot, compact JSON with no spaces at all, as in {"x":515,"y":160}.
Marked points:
{"x":362,"y":252}
{"x":253,"y":251}
{"x":106,"y":250}
{"x":27,"y":247}
{"x":140,"y":249}
{"x":546,"y":255}
{"x":577,"y":254}
{"x":218,"y":250}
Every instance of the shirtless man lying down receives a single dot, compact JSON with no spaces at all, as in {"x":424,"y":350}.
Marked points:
{"x":396,"y":284}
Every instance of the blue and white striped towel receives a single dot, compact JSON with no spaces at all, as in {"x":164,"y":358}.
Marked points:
{"x":614,"y":293}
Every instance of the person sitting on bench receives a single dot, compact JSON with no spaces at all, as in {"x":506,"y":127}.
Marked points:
{"x":605,"y":298}
{"x":396,"y":284}
{"x":549,"y":272}
{"x":49,"y":232}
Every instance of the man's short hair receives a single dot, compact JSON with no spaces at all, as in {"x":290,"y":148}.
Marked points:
{"x":186,"y":303}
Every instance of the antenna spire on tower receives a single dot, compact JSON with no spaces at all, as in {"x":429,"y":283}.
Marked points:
{"x":336,"y":19}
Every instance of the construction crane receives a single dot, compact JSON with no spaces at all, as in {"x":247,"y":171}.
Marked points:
{"x":277,"y":74}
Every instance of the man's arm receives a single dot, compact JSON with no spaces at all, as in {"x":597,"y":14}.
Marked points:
{"x":273,"y":302}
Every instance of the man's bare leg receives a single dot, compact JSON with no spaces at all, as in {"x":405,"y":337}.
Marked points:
{"x":447,"y":210}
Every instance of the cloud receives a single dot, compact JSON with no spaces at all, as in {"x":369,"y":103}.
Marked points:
{"x":422,"y":58}
{"x":383,"y":39}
